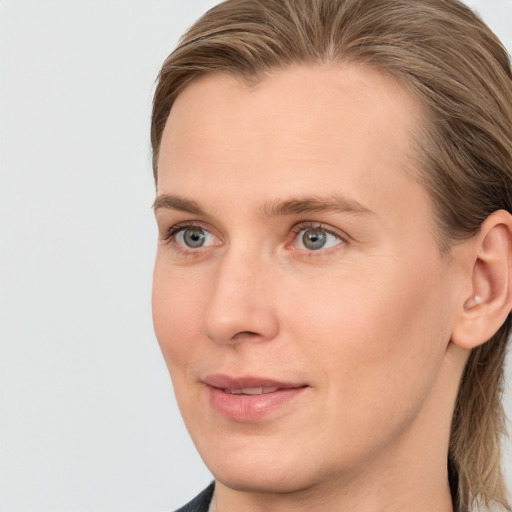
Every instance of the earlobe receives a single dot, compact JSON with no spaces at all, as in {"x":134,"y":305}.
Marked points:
{"x":486,"y":308}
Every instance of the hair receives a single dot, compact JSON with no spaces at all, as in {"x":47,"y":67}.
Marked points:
{"x":459,"y":71}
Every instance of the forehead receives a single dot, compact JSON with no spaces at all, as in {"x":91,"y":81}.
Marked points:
{"x":342,"y":129}
{"x":333,"y":104}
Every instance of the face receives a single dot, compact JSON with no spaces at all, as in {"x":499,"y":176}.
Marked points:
{"x":300,"y":300}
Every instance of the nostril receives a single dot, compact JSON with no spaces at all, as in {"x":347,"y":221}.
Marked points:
{"x":246,"y":334}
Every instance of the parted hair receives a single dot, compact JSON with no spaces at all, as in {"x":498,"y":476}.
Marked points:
{"x":459,"y":71}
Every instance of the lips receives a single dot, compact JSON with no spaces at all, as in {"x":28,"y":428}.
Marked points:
{"x":249,"y":399}
{"x":251,"y":391}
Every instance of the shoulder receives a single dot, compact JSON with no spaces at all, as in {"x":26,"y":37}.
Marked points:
{"x":201,"y":502}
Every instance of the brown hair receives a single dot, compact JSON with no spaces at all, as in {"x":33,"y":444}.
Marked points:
{"x":459,"y":71}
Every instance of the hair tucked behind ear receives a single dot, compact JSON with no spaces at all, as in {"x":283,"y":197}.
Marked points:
{"x":458,"y":70}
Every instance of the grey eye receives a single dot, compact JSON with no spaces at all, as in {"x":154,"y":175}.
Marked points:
{"x":193,"y":237}
{"x":314,"y":239}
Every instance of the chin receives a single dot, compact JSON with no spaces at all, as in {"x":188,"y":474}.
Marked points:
{"x":264,"y":479}
{"x":263,"y":469}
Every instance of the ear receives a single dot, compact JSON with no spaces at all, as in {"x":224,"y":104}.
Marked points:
{"x":484,"y":310}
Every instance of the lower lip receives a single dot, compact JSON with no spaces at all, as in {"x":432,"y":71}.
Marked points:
{"x":247,"y":408}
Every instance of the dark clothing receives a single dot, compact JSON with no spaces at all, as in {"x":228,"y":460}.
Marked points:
{"x":200,"y":503}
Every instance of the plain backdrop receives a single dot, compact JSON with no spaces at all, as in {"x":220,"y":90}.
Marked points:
{"x":88,"y":421}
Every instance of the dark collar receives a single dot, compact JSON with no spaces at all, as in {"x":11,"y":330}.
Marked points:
{"x":201,"y":502}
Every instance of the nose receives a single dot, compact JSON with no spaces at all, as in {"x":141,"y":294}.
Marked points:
{"x":240,"y":307}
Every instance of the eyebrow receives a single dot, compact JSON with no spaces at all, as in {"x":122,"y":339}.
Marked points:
{"x":278,"y":207}
{"x":315,"y":204}
{"x":172,"y":202}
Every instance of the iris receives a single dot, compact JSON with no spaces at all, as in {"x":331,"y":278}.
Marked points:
{"x":314,"y":239}
{"x":193,"y":238}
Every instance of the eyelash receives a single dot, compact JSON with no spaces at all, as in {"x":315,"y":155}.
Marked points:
{"x":174,"y":230}
{"x":169,"y":237}
{"x":302,"y":226}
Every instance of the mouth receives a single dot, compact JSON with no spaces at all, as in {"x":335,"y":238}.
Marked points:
{"x":251,"y":391}
{"x":249,"y":399}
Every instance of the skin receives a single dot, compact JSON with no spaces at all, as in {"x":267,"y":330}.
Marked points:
{"x":365,"y":322}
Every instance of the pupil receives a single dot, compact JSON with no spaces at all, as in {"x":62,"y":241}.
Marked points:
{"x":314,"y":239}
{"x":194,"y":237}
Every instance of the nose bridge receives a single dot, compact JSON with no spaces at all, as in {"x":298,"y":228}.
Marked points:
{"x":240,"y":306}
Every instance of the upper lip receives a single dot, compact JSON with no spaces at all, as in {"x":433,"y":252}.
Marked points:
{"x":233,"y":383}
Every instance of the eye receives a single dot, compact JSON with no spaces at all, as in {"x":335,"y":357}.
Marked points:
{"x":190,"y":237}
{"x":193,"y":237}
{"x":315,"y":238}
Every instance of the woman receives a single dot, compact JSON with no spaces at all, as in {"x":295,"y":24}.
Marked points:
{"x":333,"y":283}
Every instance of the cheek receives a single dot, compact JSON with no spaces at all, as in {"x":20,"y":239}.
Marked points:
{"x":378,"y":339}
{"x":177,"y":309}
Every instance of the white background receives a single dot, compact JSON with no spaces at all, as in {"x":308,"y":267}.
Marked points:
{"x":87,"y":417}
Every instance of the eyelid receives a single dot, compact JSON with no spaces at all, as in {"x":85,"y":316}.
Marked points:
{"x":172,"y":231}
{"x":301,"y":226}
